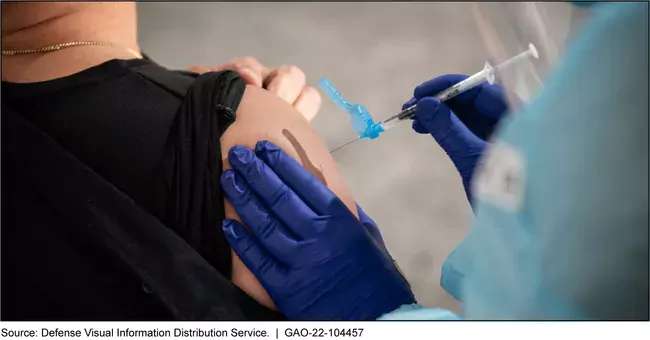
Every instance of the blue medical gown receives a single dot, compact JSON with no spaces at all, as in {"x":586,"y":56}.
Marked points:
{"x":561,"y":230}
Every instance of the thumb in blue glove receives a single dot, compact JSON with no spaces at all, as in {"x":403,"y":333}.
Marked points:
{"x":313,"y":256}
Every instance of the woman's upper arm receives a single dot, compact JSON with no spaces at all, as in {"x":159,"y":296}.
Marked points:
{"x":263,"y":116}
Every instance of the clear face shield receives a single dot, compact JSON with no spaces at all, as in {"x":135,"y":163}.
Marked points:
{"x":510,"y":29}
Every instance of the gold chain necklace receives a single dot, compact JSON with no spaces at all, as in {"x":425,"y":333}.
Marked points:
{"x":57,"y":47}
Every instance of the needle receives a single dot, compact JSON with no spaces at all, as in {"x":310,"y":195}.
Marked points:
{"x":344,"y":145}
{"x":361,"y":117}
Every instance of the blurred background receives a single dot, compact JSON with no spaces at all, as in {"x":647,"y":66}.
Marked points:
{"x":375,"y":54}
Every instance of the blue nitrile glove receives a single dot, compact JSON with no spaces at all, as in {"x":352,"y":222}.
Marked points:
{"x":461,"y":125}
{"x":371,"y":227}
{"x":313,"y":256}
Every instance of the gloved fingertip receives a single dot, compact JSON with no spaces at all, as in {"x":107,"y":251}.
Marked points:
{"x":418,"y":92}
{"x":232,"y":184}
{"x":264,"y":148}
{"x":232,"y":229}
{"x":228,"y":177}
{"x":429,"y":88}
{"x":418,"y":127}
{"x":265,"y":145}
{"x":409,"y":103}
{"x":360,"y":211}
{"x":268,"y":152}
{"x":247,"y":248}
{"x":240,"y":155}
{"x":427,"y":107}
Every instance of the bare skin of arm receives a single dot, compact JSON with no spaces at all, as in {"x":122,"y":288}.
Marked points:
{"x":264,"y":116}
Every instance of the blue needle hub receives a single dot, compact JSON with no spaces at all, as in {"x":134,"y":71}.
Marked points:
{"x":362,"y":123}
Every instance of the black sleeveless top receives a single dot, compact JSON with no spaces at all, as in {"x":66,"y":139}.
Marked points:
{"x":140,"y":161}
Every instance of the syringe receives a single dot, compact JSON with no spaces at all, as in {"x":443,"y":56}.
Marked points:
{"x":487,"y":74}
{"x":372,"y":130}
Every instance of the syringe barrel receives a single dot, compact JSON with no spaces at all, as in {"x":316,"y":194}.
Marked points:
{"x":447,"y":94}
{"x":407,"y":113}
{"x":467,"y":84}
{"x":487,"y":74}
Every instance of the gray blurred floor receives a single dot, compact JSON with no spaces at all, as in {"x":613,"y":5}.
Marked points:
{"x":374,"y":53}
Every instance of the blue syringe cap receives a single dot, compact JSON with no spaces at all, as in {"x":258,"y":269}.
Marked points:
{"x":362,"y":123}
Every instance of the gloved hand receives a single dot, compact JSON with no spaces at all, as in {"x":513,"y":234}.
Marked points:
{"x":371,"y":227}
{"x":460,"y":125}
{"x":314,"y":257}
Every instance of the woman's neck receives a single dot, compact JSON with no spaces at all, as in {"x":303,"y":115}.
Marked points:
{"x":35,"y":25}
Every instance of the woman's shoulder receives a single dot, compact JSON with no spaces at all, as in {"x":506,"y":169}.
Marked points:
{"x":108,"y":116}
{"x":105,"y":72}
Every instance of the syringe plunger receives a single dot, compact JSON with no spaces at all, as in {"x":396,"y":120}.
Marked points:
{"x":487,"y":74}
